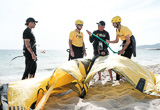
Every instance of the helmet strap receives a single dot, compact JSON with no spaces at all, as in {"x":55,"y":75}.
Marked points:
{"x":117,"y":25}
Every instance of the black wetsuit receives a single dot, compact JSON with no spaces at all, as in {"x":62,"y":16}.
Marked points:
{"x":30,"y":64}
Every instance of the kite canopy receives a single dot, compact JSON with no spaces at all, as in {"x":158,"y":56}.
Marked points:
{"x":74,"y":74}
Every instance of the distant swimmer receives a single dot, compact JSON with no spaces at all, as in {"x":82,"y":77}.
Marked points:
{"x":76,"y":43}
{"x":29,"y":49}
{"x":125,"y":34}
{"x":44,"y":51}
{"x":99,"y":47}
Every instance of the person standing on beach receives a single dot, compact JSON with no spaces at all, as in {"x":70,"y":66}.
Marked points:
{"x":29,"y":49}
{"x":125,"y":34}
{"x":100,"y":48}
{"x":76,"y":43}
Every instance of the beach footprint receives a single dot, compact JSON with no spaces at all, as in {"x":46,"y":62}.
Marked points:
{"x":155,"y":102}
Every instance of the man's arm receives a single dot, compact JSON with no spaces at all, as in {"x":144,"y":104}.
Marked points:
{"x":115,"y":41}
{"x":28,"y":46}
{"x":70,"y":45}
{"x":85,"y":54}
{"x":71,"y":49}
{"x":91,"y":38}
{"x":127,"y":42}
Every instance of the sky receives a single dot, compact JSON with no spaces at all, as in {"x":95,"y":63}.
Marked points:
{"x":57,"y":19}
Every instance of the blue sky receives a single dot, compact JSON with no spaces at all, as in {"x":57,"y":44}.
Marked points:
{"x":57,"y":17}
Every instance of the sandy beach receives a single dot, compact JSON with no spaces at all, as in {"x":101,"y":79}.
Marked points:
{"x":106,"y":95}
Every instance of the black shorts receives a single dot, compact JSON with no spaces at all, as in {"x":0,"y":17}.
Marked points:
{"x":78,"y":52}
{"x":27,"y":54}
{"x":128,"y":51}
{"x":30,"y":65}
{"x":131,"y":49}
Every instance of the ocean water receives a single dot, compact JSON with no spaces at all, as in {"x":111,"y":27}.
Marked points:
{"x":147,"y":57}
{"x":51,"y":59}
{"x":46,"y":63}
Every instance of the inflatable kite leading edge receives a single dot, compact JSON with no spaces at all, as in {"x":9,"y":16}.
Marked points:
{"x":75,"y":75}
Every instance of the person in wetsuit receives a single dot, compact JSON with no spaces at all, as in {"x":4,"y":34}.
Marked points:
{"x":29,"y":49}
{"x":125,"y":34}
{"x":99,"y":47}
{"x":76,"y":43}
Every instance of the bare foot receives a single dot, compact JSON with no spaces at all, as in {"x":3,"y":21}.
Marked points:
{"x":31,"y":76}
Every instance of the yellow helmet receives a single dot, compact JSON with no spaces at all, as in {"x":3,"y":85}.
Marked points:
{"x":116,"y":19}
{"x":78,"y":22}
